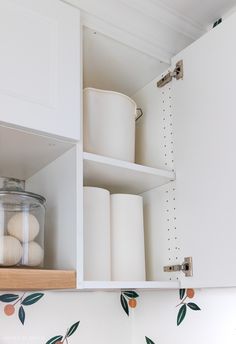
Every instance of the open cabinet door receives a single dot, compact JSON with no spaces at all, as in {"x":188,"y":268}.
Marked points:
{"x":204,"y":105}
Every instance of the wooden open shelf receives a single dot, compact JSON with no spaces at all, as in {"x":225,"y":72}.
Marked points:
{"x":36,"y":279}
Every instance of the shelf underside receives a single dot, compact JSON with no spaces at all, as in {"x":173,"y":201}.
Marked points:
{"x":141,"y":285}
{"x":22,"y":153}
{"x":36,"y":279}
{"x":122,"y":176}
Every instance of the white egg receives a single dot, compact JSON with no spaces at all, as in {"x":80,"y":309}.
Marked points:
{"x":10,"y":251}
{"x":33,"y":254}
{"x":23,"y":226}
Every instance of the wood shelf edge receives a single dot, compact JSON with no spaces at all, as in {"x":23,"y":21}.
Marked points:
{"x":36,"y":279}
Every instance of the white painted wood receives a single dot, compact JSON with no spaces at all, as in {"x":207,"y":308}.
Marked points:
{"x":205,"y":140}
{"x":110,"y":285}
{"x":172,"y":16}
{"x":162,"y":236}
{"x":57,"y":182}
{"x":202,"y":15}
{"x":122,"y":176}
{"x":117,"y":67}
{"x":154,"y":130}
{"x":155,"y":147}
{"x":22,"y":154}
{"x":149,"y":30}
{"x":40,"y":66}
{"x":80,"y":214}
{"x":125,"y":37}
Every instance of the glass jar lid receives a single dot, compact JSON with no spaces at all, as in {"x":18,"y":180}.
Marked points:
{"x":13,"y":186}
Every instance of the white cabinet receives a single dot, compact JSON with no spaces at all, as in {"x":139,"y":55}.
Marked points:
{"x":40,"y":66}
{"x":188,"y":127}
{"x":185,"y":163}
{"x":40,"y":87}
{"x":205,"y":141}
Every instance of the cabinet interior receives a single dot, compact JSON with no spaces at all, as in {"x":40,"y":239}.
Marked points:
{"x":48,"y":166}
{"x":57,"y":182}
{"x":53,"y":169}
{"x":152,"y":175}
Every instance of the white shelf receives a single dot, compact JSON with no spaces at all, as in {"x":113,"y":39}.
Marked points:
{"x":113,"y":285}
{"x":122,"y":176}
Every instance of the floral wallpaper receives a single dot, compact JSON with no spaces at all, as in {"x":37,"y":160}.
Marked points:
{"x":127,"y":317}
{"x":149,"y":341}
{"x":128,"y":300}
{"x":59,"y":339}
{"x":14,"y":301}
{"x":184,"y":295}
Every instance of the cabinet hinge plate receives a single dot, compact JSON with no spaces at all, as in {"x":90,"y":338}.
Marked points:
{"x":186,"y":267}
{"x":178,"y":73}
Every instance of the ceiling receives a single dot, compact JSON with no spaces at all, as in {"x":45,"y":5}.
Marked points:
{"x":127,"y":43}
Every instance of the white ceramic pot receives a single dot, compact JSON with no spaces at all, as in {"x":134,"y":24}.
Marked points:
{"x":109,"y":124}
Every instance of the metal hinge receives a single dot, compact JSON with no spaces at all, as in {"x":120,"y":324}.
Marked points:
{"x":178,"y":73}
{"x":186,"y":267}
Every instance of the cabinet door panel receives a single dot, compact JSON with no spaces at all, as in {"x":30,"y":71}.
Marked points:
{"x":39,"y":66}
{"x":205,"y":141}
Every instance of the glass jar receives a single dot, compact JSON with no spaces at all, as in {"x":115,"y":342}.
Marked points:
{"x":22,"y":217}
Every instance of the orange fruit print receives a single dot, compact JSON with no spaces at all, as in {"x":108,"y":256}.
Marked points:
{"x":128,"y":300}
{"x":9,"y":310}
{"x":190,"y":293}
{"x":132,"y":303}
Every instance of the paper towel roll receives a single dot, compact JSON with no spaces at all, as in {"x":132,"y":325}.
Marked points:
{"x":127,"y":238}
{"x":97,"y":257}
